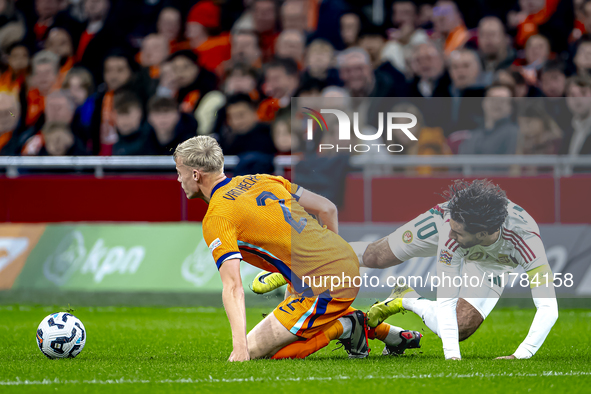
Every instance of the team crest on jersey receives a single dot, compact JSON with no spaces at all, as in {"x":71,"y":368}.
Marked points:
{"x":445,"y":257}
{"x":216,"y":242}
{"x":504,"y":259}
{"x":476,"y":256}
{"x":407,"y":237}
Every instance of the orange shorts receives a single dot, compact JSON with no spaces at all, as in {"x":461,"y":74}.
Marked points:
{"x":305,"y":317}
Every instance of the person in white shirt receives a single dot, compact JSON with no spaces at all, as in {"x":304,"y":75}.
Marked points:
{"x":477,"y":233}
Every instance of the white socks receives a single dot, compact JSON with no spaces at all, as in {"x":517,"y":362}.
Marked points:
{"x":423,"y":307}
{"x":393,"y":337}
{"x":347,"y":327}
{"x":359,"y":248}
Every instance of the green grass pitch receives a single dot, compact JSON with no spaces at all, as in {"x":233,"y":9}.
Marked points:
{"x":145,"y":350}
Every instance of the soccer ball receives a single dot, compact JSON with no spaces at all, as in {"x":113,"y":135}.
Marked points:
{"x":61,"y":335}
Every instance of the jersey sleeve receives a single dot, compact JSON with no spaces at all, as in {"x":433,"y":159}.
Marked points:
{"x":221,"y":237}
{"x":530,"y":251}
{"x":295,"y":190}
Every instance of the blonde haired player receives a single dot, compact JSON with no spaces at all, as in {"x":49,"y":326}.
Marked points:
{"x":265,"y":220}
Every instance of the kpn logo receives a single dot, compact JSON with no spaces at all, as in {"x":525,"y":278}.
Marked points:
{"x":344,"y":131}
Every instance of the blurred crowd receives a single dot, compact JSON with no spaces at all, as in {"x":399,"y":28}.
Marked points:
{"x":137,"y":77}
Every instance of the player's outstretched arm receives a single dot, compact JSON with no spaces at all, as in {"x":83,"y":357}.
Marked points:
{"x":448,"y":267}
{"x":233,"y":297}
{"x":322,"y":208}
{"x":544,"y":295}
{"x":447,"y":320}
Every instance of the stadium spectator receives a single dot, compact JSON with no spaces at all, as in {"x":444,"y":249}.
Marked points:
{"x":192,"y":81}
{"x":170,"y":25}
{"x":405,"y":34}
{"x":12,"y":24}
{"x":539,"y":134}
{"x":281,"y":82}
{"x":97,"y":117}
{"x":98,"y":38}
{"x":294,"y":15}
{"x":431,"y":78}
{"x":170,"y":127}
{"x":448,"y":25}
{"x":245,"y":133}
{"x":537,"y":52}
{"x":583,"y":19}
{"x":552,"y":85}
{"x":464,"y":71}
{"x":553,"y":79}
{"x":582,"y":57}
{"x":242,"y":79}
{"x":551,"y":18}
{"x":310,"y":88}
{"x":577,"y":138}
{"x":463,"y":111}
{"x":59,"y":108}
{"x":18,"y":61}
{"x":133,"y":133}
{"x":78,"y":83}
{"x":155,"y":50}
{"x":9,"y":118}
{"x":46,"y":11}
{"x":291,"y":44}
{"x":60,"y":141}
{"x":360,"y":80}
{"x":493,"y":46}
{"x":43,"y":81}
{"x":203,"y":33}
{"x":264,"y":22}
{"x":59,"y":42}
{"x":350,"y":28}
{"x":372,"y":39}
{"x":319,"y":64}
{"x":499,"y":134}
{"x":244,"y":50}
{"x":282,"y":138}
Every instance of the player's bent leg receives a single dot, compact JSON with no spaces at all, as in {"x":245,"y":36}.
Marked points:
{"x":268,"y":337}
{"x":469,"y":319}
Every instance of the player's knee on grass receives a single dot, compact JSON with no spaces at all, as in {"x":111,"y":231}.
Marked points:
{"x":379,"y":255}
{"x":469,"y":319}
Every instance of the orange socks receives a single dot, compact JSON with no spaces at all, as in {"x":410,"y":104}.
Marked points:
{"x":302,"y":349}
{"x":380,"y":332}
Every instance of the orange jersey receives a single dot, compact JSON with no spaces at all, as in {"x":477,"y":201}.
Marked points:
{"x":257,"y":218}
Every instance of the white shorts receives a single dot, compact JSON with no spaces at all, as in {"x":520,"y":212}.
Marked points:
{"x":420,"y":238}
{"x":484,"y":296}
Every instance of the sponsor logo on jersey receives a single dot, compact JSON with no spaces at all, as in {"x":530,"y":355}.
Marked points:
{"x":216,"y":242}
{"x":407,"y":237}
{"x":445,"y":257}
{"x":476,"y":256}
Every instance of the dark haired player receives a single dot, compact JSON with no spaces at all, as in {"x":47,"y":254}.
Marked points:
{"x":479,"y":233}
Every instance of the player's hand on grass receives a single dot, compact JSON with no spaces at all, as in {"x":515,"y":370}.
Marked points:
{"x":511,"y":357}
{"x":239,"y":355}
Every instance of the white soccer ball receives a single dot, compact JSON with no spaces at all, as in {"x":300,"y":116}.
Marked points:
{"x":61,"y":335}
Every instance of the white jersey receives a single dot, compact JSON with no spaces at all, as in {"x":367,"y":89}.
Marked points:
{"x":519,"y":243}
{"x":486,"y":268}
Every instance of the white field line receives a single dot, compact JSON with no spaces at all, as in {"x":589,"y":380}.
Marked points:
{"x":19,"y":382}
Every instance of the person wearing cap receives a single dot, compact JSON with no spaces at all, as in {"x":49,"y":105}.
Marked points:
{"x":202,"y":30}
{"x":191,"y":81}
